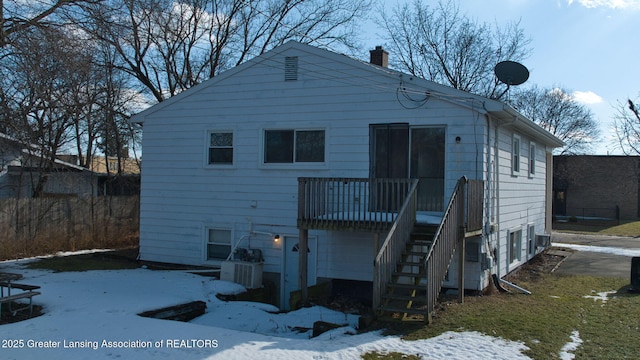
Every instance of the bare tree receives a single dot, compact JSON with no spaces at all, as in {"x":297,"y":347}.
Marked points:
{"x":116,"y":133}
{"x":555,"y":110}
{"x":17,"y":16}
{"x":42,"y":80}
{"x":170,"y":46}
{"x":626,"y":125}
{"x":440,"y":44}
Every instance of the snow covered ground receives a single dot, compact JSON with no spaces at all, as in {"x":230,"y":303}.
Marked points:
{"x":600,"y":249}
{"x":92,"y":315}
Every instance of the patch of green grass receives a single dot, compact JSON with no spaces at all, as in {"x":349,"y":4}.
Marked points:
{"x":631,"y":229}
{"x":545,"y":320}
{"x":626,"y":229}
{"x":86,"y":262}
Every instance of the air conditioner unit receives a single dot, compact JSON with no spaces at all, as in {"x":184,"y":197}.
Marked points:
{"x":247,"y":274}
{"x":543,"y":241}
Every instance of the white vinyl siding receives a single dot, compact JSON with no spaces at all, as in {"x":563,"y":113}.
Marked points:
{"x":178,"y":197}
{"x":520,"y":200}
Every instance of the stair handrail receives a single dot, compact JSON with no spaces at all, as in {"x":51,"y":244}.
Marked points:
{"x":443,"y":248}
{"x":391,"y":249}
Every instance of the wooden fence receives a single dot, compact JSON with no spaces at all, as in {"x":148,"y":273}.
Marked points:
{"x":42,"y":226}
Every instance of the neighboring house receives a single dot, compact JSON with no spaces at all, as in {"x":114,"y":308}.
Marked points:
{"x":113,"y":182}
{"x":114,"y":176}
{"x":305,"y":148}
{"x":596,"y":187}
{"x":20,"y":170}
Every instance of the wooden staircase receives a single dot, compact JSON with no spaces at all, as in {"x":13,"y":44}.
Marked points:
{"x":405,"y":296}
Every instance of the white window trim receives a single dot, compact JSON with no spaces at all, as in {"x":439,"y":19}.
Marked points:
{"x":293,"y":165}
{"x":205,"y":250}
{"x":516,"y":155}
{"x":518,"y":258}
{"x":531,"y":240}
{"x":207,"y":146}
{"x":532,"y":159}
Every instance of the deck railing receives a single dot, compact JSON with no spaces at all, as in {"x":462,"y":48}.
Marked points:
{"x":463,"y":214}
{"x":393,"y":246}
{"x":474,"y":205}
{"x":390,"y":204}
{"x":350,"y":203}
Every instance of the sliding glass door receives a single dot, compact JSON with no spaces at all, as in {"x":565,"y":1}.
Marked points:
{"x":401,"y":151}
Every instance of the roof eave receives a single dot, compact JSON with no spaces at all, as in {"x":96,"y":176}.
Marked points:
{"x":506,"y":113}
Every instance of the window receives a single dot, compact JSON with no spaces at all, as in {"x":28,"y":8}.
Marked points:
{"x":531,"y":239}
{"x":532,"y":159}
{"x":515,"y":153}
{"x":112,"y":165}
{"x":220,"y":148}
{"x":218,"y":244}
{"x":515,"y":239}
{"x":289,"y":146}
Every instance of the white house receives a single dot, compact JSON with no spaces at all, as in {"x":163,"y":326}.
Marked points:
{"x":302,"y":147}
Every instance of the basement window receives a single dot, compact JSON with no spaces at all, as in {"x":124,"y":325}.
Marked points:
{"x":218,"y":244}
{"x":531,"y":239}
{"x":515,"y":245}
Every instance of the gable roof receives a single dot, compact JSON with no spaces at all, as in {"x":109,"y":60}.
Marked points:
{"x":495,"y":109}
{"x":31,"y":150}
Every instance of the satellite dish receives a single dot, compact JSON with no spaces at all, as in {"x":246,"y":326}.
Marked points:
{"x":511,"y":72}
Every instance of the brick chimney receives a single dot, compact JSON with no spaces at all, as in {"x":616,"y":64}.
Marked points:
{"x":379,"y":57}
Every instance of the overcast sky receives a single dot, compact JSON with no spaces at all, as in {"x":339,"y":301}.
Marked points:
{"x":589,"y":47}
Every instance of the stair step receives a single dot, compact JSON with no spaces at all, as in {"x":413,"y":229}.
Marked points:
{"x":408,"y":274}
{"x":405,"y":298}
{"x":416,"y":253}
{"x":395,"y":286}
{"x":402,"y":310}
{"x":411,"y":263}
{"x":426,"y":243}
{"x":421,"y":237}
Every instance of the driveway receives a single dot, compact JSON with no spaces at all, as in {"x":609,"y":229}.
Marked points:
{"x":597,"y":255}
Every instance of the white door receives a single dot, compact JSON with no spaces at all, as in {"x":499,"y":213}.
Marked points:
{"x":289,"y":278}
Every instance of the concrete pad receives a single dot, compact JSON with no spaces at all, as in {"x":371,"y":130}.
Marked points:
{"x":594,"y":263}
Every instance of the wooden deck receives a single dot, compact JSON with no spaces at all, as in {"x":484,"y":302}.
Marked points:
{"x":390,"y":205}
{"x":352,"y":204}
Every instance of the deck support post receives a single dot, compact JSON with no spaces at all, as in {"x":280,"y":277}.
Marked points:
{"x":462,"y":233}
{"x":376,"y":242}
{"x":461,"y":252}
{"x":303,"y":260}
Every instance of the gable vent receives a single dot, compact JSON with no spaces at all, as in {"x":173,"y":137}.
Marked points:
{"x":291,"y":68}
